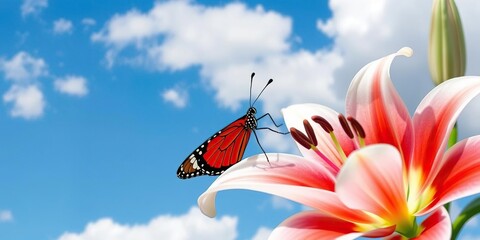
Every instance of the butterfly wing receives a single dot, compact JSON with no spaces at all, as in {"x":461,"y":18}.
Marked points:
{"x":219,"y":152}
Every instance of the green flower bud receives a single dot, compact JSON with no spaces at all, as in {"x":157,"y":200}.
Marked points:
{"x":446,"y":57}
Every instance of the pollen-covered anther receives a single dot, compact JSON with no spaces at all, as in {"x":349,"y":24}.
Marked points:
{"x":357,"y":127}
{"x":301,"y":138}
{"x":310,"y":132}
{"x":310,"y":142}
{"x":345,"y":126}
{"x":323,"y":123}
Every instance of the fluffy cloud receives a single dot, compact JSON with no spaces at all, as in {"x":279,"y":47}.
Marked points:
{"x":28,"y":101}
{"x":24,"y":72}
{"x":88,"y":22}
{"x":24,"y":94}
{"x":23,"y":68}
{"x":72,"y":85}
{"x":61,"y":26}
{"x":228,"y":43}
{"x":262,"y":233}
{"x":6,"y":216}
{"x":176,"y":96}
{"x":195,"y":34}
{"x":192,"y":225}
{"x":32,"y":6}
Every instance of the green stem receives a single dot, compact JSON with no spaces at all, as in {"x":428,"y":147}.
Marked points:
{"x":472,"y":209}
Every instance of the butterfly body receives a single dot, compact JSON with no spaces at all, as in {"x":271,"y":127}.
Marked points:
{"x":225,"y":148}
{"x":222,"y":150}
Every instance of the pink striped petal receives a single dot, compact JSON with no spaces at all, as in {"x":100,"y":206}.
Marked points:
{"x":372,"y":180}
{"x":434,"y":119}
{"x":374,"y":102}
{"x":436,"y":226}
{"x":288,"y":176}
{"x":316,"y":225}
{"x":294,"y":116}
{"x":459,"y":175}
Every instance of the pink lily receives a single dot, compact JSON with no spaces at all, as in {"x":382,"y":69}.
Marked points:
{"x":374,"y":174}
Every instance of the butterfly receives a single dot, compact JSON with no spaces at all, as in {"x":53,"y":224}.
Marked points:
{"x":225,"y":148}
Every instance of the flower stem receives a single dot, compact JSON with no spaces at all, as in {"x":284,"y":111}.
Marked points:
{"x":472,"y":209}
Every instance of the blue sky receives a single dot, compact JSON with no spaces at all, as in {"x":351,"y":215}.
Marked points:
{"x":102,"y":100}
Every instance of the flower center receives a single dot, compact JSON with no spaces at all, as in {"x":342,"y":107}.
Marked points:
{"x":350,"y":126}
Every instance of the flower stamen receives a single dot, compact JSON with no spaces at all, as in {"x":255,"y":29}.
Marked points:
{"x":300,"y":138}
{"x":310,"y":132}
{"x":345,"y":126}
{"x":329,"y":129}
{"x":359,"y":131}
{"x":310,"y":142}
{"x":323,"y":123}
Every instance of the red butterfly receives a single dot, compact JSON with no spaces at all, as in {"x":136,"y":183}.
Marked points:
{"x":226,"y":147}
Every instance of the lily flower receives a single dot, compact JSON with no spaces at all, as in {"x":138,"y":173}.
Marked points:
{"x":373,"y":172}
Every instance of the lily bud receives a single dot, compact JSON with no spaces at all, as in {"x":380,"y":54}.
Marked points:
{"x":446,"y":57}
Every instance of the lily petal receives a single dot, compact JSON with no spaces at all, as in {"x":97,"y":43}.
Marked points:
{"x":433,"y":121}
{"x":288,"y":176}
{"x":374,"y":102}
{"x":459,"y":175}
{"x":372,"y":180}
{"x":294,"y":116}
{"x":436,"y":226}
{"x":316,"y":225}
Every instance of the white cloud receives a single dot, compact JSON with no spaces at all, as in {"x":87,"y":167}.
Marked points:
{"x":61,"y":26}
{"x":176,"y":96}
{"x":195,"y":34}
{"x":262,"y":233}
{"x":23,"y":68}
{"x":72,"y":85}
{"x":28,"y":101}
{"x":6,"y":216}
{"x":24,"y":94}
{"x":281,"y":203}
{"x":192,"y":225}
{"x":32,"y":6}
{"x":228,"y":43}
{"x":89,"y":22}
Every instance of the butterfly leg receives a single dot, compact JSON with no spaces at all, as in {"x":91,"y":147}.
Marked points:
{"x":273,"y":130}
{"x":263,"y":150}
{"x":270,"y":116}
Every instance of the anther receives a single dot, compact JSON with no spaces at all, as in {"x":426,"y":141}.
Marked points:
{"x":300,"y":138}
{"x":345,"y":126}
{"x":323,"y":123}
{"x":357,"y":127}
{"x":310,"y":132}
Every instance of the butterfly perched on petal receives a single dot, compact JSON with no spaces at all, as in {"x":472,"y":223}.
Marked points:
{"x":226,"y":147}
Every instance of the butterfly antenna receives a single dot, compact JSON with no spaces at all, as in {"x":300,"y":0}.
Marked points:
{"x":268,"y":83}
{"x":251,"y":82}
